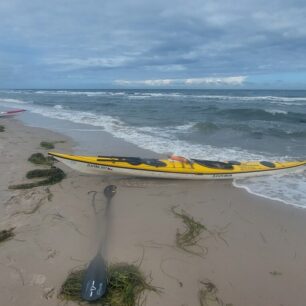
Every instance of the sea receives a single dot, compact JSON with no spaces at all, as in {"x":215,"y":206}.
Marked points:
{"x":208,"y":124}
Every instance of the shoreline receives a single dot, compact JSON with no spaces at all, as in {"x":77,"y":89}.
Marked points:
{"x":255,"y":247}
{"x":83,"y":136}
{"x":86,"y":142}
{"x":277,"y":200}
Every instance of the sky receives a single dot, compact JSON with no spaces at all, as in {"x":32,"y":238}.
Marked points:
{"x":153,"y":44}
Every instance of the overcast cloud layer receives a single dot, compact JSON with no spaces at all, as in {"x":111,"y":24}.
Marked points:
{"x":204,"y":44}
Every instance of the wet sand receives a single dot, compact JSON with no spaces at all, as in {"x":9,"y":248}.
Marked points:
{"x":251,"y":249}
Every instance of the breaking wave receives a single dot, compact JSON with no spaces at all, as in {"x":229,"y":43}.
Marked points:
{"x":10,"y":101}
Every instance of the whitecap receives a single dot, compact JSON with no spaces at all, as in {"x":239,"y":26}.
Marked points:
{"x":58,"y":106}
{"x":16,"y":101}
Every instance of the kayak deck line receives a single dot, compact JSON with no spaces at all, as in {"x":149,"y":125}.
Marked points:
{"x":167,"y":169}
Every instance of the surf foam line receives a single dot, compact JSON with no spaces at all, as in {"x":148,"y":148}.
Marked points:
{"x":135,"y":94}
{"x":7,"y":101}
{"x":278,"y":186}
{"x":159,"y":140}
{"x":79,"y":93}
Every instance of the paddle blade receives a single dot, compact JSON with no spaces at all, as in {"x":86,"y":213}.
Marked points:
{"x":95,"y":280}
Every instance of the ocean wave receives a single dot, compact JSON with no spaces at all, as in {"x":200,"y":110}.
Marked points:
{"x":279,"y":133}
{"x":219,"y":98}
{"x":102,"y":93}
{"x":275,"y":99}
{"x":252,"y":131}
{"x":155,"y":95}
{"x":253,"y":117}
{"x":157,"y":139}
{"x":13,"y":91}
{"x":287,"y":188}
{"x":276,"y":111}
{"x":206,"y":127}
{"x":58,"y":106}
{"x":79,"y":93}
{"x":246,"y":114}
{"x":15,"y":101}
{"x":164,"y":139}
{"x":180,"y":128}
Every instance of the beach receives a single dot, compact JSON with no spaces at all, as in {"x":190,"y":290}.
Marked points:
{"x":250,"y":251}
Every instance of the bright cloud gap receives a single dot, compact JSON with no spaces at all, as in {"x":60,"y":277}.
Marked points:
{"x":215,"y":81}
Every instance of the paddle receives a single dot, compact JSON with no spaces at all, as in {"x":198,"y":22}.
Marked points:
{"x":95,"y":279}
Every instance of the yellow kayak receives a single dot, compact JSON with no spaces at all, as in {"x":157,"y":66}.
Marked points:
{"x":182,"y":168}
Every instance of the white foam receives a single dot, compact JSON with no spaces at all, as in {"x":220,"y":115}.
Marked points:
{"x":66,"y":92}
{"x":79,"y":93}
{"x":276,"y":111}
{"x":10,"y":91}
{"x":280,"y":100}
{"x":158,"y":139}
{"x":275,"y":99}
{"x":258,"y":98}
{"x":289,"y":103}
{"x":58,"y":106}
{"x":289,"y":188}
{"x":41,"y":91}
{"x":15,"y":101}
{"x":153,"y":95}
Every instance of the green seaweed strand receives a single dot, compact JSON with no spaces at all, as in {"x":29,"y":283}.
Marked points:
{"x":190,"y":237}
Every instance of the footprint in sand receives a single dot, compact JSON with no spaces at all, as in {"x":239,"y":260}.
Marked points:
{"x":51,"y":254}
{"x":38,"y":280}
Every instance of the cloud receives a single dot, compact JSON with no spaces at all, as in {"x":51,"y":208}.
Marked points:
{"x":145,"y":82}
{"x":59,"y":43}
{"x":234,"y":80}
{"x":215,"y":81}
{"x":165,"y":68}
{"x":84,"y":63}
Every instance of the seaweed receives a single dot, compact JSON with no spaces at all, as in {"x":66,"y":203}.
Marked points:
{"x":126,"y":285}
{"x":47,"y":145}
{"x":7,"y":234}
{"x":2,"y":128}
{"x":50,"y":144}
{"x":40,"y":159}
{"x":208,"y":295}
{"x":189,"y":239}
{"x":276,"y":273}
{"x":53,"y":176}
{"x":71,"y":288}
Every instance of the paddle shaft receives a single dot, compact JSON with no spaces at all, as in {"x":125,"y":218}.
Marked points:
{"x":106,"y":222}
{"x":109,"y":192}
{"x":95,"y":279}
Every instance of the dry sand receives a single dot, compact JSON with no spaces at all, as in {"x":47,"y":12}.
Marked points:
{"x":253,"y":250}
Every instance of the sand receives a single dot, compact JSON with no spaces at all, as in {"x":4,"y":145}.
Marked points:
{"x":252,"y":249}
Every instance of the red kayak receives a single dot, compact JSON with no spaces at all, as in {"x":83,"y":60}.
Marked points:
{"x":11,"y":113}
